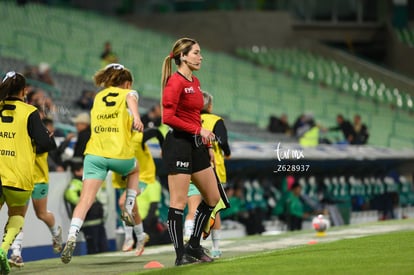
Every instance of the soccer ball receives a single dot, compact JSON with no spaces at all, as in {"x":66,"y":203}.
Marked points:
{"x":320,"y":224}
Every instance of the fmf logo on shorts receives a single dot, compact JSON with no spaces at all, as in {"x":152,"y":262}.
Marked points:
{"x":182,"y":164}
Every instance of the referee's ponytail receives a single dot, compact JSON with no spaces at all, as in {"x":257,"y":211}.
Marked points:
{"x":181,"y":47}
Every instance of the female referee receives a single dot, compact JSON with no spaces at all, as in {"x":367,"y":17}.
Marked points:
{"x":186,"y":150}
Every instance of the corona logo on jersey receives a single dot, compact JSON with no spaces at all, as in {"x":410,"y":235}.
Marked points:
{"x":320,"y":224}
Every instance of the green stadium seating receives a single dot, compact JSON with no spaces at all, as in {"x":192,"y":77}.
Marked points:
{"x":406,"y":36}
{"x":321,"y":70}
{"x":400,"y":142}
{"x":347,"y":92}
{"x":291,"y":81}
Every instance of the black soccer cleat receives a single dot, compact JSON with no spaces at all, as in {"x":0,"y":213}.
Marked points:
{"x":198,"y":253}
{"x":185,"y":260}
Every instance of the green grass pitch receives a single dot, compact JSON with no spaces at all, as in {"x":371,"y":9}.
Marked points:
{"x":375,"y":248}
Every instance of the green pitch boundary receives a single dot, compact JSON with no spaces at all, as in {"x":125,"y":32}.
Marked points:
{"x":234,"y":250}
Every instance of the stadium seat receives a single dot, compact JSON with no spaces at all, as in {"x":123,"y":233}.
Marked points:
{"x":259,"y":200}
{"x":368,"y":188}
{"x":361,"y":94}
{"x":406,"y":191}
{"x":298,"y":81}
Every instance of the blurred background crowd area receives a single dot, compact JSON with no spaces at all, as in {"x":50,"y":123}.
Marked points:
{"x":276,"y":69}
{"x":262,"y":59}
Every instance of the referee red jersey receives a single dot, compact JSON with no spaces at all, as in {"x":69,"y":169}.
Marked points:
{"x":182,"y":102}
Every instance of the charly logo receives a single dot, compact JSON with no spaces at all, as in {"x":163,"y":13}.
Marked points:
{"x":113,"y":115}
{"x":290,"y":154}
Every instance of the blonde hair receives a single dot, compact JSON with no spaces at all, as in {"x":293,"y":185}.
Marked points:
{"x":181,"y":47}
{"x":112,"y":75}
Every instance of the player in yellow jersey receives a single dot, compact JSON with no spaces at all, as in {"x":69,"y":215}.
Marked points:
{"x":221,"y":150}
{"x":21,"y":134}
{"x":114,"y":115}
{"x":39,"y":200}
{"x":149,"y":186}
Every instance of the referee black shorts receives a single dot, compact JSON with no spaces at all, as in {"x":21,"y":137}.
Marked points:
{"x":183,"y":153}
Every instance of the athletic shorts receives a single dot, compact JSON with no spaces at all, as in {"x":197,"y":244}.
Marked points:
{"x":182,"y":153}
{"x":96,"y":167}
{"x":14,"y":197}
{"x":193,"y":190}
{"x":40,"y":191}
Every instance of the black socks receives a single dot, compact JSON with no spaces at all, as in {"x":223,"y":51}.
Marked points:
{"x":175,"y":229}
{"x":202,"y":216}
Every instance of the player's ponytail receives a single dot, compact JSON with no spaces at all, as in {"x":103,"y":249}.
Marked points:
{"x":11,"y":85}
{"x":112,"y":75}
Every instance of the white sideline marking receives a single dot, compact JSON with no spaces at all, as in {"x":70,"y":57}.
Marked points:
{"x":280,"y":243}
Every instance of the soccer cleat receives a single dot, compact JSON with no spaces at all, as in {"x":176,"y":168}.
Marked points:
{"x":128,"y":218}
{"x":186,"y":259}
{"x":141,"y":244}
{"x":215,"y":253}
{"x":16,"y":261}
{"x":198,"y":253}
{"x":57,"y":241}
{"x":128,"y":245}
{"x":67,"y":252}
{"x":4,"y":263}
